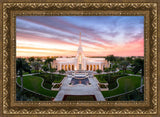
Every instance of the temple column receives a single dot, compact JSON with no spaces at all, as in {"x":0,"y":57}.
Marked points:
{"x":60,"y":66}
{"x":92,"y":67}
{"x":89,"y":67}
{"x":100,"y":67}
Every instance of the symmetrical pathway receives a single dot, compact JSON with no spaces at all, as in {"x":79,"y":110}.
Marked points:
{"x":79,"y":89}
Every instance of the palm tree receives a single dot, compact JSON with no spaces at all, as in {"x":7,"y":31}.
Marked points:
{"x":39,"y":59}
{"x":112,"y":60}
{"x":31,"y":59}
{"x":48,"y":61}
{"x":45,"y":68}
{"x":22,"y":66}
{"x":138,"y":65}
{"x":124,"y":65}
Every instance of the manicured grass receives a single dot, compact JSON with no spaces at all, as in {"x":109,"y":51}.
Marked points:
{"x":126,"y":84}
{"x":135,"y":95}
{"x":26,"y":95}
{"x":50,"y":78}
{"x":110,"y":78}
{"x":34,"y":83}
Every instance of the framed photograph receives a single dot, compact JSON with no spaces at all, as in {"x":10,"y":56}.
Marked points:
{"x":79,"y":58}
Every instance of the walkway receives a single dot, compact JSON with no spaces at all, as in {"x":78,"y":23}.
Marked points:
{"x":79,"y":89}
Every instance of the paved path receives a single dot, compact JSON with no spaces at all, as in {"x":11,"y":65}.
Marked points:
{"x":29,"y":74}
{"x":79,"y":89}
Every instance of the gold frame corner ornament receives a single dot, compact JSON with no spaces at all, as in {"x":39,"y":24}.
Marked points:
{"x":11,"y":10}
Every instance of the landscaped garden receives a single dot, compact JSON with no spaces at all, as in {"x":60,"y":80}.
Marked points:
{"x":126,"y":84}
{"x":110,"y":79}
{"x":34,"y":83}
{"x":134,"y":95}
{"x":50,"y":78}
{"x":26,"y":95}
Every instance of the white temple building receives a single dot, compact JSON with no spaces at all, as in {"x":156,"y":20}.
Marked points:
{"x":80,"y":62}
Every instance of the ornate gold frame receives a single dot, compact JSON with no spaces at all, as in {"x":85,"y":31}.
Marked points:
{"x":11,"y":9}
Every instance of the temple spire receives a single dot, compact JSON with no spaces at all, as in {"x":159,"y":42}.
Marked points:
{"x":80,"y":39}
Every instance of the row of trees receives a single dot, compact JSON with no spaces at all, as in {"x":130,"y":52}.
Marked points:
{"x":33,"y":64}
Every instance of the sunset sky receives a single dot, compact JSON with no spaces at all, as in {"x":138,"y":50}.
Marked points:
{"x":100,"y":35}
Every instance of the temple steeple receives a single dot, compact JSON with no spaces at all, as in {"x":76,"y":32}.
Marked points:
{"x":80,"y":39}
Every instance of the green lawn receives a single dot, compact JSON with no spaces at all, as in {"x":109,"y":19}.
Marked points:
{"x":50,"y":78}
{"x":126,"y":84}
{"x":110,"y":78}
{"x":34,"y":83}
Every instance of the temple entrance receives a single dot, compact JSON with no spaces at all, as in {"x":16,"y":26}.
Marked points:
{"x":87,"y":67}
{"x":90,"y":67}
{"x":69,"y":67}
{"x":65,"y":67}
{"x":72,"y":67}
{"x":94,"y":67}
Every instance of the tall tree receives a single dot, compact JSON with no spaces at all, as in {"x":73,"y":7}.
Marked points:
{"x":138,"y":65}
{"x":124,"y":65}
{"x":48,"y":62}
{"x":112,"y":60}
{"x":45,"y":68}
{"x":31,"y":59}
{"x":22,"y":66}
{"x":39,"y":59}
{"x":129,"y":59}
{"x":36,"y":66}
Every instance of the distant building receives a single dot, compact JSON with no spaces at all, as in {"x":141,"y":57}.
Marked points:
{"x":80,"y":62}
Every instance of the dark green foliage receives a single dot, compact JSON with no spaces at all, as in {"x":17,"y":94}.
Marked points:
{"x":62,"y":71}
{"x":50,"y":78}
{"x":135,"y":95}
{"x":110,"y":78}
{"x":39,"y":59}
{"x":34,"y":83}
{"x":57,"y":85}
{"x":31,"y":59}
{"x":36,"y":66}
{"x":111,"y":58}
{"x":102,"y":86}
{"x":107,"y":69}
{"x":29,"y":96}
{"x":45,"y":68}
{"x":99,"y":71}
{"x":138,"y":65}
{"x":48,"y":62}
{"x":124,"y":65}
{"x":22,"y":66}
{"x":53,"y":70}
